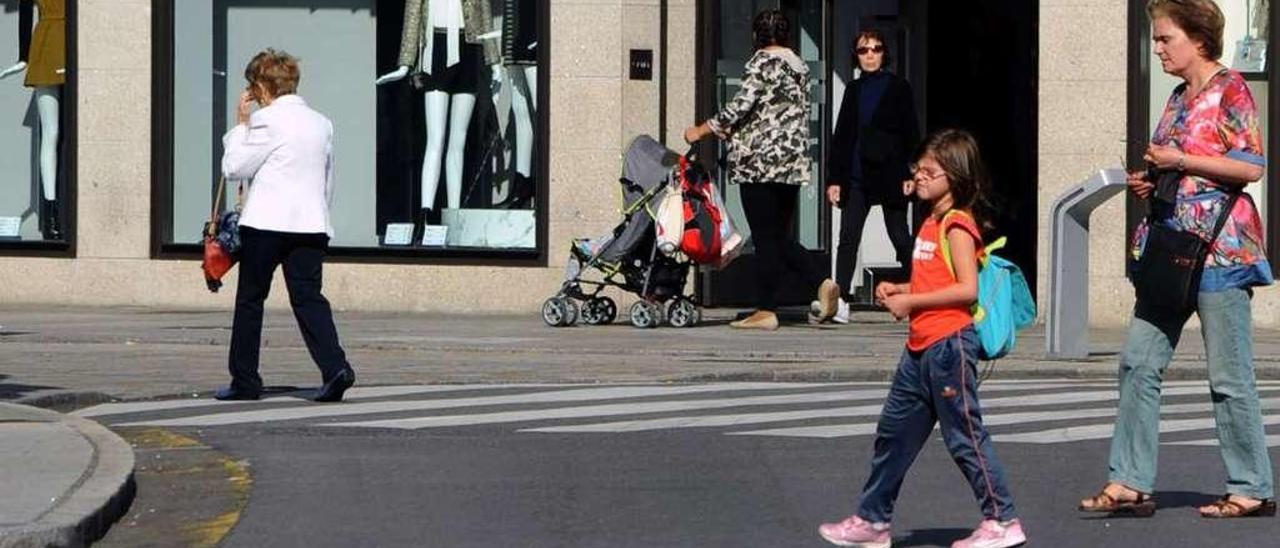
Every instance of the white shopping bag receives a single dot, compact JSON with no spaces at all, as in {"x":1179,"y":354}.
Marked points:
{"x":669,"y":221}
{"x":730,"y":239}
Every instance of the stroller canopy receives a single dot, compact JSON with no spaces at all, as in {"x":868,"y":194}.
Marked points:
{"x":644,"y":169}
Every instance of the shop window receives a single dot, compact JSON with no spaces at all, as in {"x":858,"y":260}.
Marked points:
{"x":36,"y":126}
{"x":433,"y":159}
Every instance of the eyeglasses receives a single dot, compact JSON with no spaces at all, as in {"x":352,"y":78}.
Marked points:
{"x":863,"y":50}
{"x":918,"y":174}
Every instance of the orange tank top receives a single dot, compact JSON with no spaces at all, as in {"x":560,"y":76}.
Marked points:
{"x":929,"y":272}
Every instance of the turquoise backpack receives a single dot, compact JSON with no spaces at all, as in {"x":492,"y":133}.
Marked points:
{"x":1004,"y":303}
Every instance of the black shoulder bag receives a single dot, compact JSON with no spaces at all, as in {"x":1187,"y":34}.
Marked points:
{"x":1167,"y":277}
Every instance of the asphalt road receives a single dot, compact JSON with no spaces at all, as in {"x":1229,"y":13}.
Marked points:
{"x":676,"y":465}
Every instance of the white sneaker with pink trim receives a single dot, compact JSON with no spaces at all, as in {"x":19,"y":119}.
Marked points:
{"x":857,"y":532}
{"x":993,"y":534}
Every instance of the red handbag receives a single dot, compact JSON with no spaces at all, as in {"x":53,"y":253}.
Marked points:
{"x":218,"y":259}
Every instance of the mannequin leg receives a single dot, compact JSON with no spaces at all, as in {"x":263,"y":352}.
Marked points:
{"x":520,"y":193}
{"x":459,"y":122}
{"x":531,"y":82}
{"x":520,"y":100}
{"x":437,"y":108}
{"x":47,"y":104}
{"x":48,"y":99}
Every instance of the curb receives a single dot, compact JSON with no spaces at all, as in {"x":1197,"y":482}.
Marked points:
{"x":65,"y":400}
{"x":101,"y":496}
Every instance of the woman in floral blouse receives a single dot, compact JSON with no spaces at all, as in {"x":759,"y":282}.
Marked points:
{"x":767,"y":125}
{"x":1208,"y":134}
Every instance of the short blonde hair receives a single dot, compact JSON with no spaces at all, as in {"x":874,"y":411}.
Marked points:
{"x":1202,"y":20}
{"x":277,"y":71}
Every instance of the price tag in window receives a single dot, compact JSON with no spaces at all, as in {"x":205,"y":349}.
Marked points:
{"x":10,"y":226}
{"x":434,"y":235}
{"x":398,"y":234}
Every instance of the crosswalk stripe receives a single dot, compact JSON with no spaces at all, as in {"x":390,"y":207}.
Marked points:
{"x":1272,"y":441}
{"x":357,"y":393}
{"x":1005,"y":419}
{"x":557,"y":396}
{"x":692,"y":405}
{"x":260,"y":415}
{"x":1104,"y":431}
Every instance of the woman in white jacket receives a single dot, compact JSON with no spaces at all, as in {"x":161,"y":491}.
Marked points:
{"x":286,"y":149}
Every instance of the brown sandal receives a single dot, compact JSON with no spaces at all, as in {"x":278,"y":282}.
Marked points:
{"x":1225,"y":508}
{"x":1144,"y":506}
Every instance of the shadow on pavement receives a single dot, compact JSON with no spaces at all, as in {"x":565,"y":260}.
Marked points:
{"x":931,"y":537}
{"x":1183,"y":499}
{"x":10,"y":391}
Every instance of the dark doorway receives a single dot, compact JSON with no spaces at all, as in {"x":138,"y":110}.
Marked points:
{"x":973,"y":65}
{"x":982,"y":76}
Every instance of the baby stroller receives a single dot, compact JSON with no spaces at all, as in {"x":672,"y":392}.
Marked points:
{"x":629,"y":258}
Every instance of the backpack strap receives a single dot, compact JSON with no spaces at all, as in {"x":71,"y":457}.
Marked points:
{"x":984,"y":250}
{"x":984,"y":255}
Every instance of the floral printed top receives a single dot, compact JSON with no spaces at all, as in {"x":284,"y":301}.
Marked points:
{"x":1221,"y":121}
{"x":767,"y":122}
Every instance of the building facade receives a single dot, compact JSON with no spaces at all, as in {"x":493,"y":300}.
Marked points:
{"x":466,"y":165}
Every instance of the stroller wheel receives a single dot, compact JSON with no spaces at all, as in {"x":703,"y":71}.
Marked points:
{"x":645,"y":314}
{"x":599,"y":311}
{"x":555,"y":312}
{"x":682,"y":312}
{"x":572,"y":307}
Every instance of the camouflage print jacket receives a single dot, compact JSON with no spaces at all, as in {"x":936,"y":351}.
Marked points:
{"x":767,"y":122}
{"x":477,"y":16}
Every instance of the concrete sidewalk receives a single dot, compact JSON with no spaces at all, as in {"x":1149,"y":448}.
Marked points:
{"x":74,"y":356}
{"x":64,"y":480}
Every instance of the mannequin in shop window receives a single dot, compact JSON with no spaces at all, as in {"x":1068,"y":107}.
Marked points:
{"x":520,"y":76}
{"x":443,"y":49}
{"x":42,"y":54}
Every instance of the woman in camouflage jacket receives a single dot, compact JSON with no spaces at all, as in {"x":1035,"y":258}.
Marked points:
{"x":767,"y":126}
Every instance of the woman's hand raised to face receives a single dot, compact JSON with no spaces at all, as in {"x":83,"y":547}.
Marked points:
{"x":833,"y":195}
{"x":245,"y":107}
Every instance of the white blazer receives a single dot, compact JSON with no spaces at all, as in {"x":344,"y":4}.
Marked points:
{"x":286,"y":150}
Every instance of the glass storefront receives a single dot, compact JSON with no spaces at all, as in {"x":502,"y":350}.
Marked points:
{"x":36,"y":106}
{"x":434,"y":103}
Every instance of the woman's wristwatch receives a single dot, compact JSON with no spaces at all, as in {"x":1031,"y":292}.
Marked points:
{"x":1182,"y":161}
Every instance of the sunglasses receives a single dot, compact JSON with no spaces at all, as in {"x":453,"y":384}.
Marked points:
{"x":863,"y":50}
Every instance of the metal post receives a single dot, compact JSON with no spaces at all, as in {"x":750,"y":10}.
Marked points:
{"x":1067,"y":326}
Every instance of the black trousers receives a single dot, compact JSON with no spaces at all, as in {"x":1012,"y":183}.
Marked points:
{"x":853,"y":218}
{"x":302,"y":256}
{"x":770,"y":210}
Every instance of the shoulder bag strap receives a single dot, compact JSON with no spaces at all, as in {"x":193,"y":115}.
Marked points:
{"x":212,"y":228}
{"x":1224,"y":216}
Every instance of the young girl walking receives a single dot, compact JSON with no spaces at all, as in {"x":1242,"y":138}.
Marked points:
{"x":935,"y":381}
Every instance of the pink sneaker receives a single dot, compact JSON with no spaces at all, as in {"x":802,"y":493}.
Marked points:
{"x":991,"y":534}
{"x":857,"y":532}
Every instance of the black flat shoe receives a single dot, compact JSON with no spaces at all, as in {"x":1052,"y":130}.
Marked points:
{"x":332,"y":390}
{"x":232,"y":394}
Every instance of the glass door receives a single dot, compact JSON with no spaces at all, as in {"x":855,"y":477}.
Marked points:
{"x":726,"y":48}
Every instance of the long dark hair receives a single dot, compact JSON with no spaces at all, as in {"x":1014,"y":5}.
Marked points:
{"x":956,"y":151}
{"x":771,"y":28}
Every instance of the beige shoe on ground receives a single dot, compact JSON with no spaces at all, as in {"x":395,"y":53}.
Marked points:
{"x":767,"y":321}
{"x":828,"y":298}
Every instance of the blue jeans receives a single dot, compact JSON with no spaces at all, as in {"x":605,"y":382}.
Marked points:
{"x":1226,"y":325}
{"x":938,"y":385}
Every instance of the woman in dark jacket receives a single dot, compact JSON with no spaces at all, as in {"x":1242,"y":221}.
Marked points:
{"x":869,"y":155}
